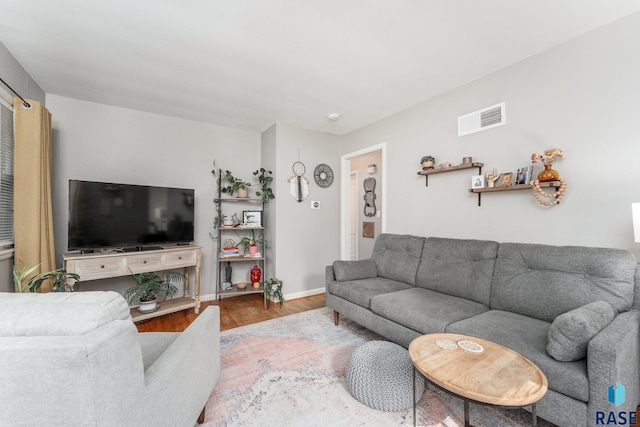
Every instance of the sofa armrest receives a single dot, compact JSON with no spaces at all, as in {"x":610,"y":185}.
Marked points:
{"x":354,"y":270}
{"x":329,"y":275}
{"x":613,"y":356}
{"x":179,"y":382}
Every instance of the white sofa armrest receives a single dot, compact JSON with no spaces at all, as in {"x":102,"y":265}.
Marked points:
{"x":180,"y":381}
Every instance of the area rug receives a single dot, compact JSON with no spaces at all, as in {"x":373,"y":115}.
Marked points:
{"x":290,"y":371}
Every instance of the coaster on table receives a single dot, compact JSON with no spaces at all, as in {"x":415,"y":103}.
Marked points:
{"x":446,"y":344}
{"x":471,"y":346}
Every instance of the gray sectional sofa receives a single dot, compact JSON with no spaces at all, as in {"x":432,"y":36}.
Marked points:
{"x":574,"y":311}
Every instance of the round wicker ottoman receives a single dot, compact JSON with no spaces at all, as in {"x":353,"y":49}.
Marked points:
{"x":380,"y":375}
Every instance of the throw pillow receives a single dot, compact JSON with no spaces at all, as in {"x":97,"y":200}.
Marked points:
{"x":571,"y":332}
{"x":354,"y":270}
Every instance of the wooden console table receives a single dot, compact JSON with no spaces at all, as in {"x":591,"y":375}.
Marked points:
{"x":104,"y":265}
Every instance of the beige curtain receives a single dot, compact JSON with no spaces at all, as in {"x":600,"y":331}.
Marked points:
{"x":33,"y":219}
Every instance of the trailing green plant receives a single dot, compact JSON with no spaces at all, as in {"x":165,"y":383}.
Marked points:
{"x":20,"y":282}
{"x":265,"y":179}
{"x":149,"y":285}
{"x":234,"y":183}
{"x":58,"y":278}
{"x":273,"y":288}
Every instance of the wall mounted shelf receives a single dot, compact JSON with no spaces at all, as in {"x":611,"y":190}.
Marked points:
{"x":463,"y":166}
{"x":479,"y":191}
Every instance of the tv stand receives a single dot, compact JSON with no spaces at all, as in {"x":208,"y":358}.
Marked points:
{"x":99,"y":265}
{"x":141,"y":248}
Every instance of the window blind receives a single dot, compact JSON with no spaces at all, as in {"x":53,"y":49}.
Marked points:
{"x":6,"y":176}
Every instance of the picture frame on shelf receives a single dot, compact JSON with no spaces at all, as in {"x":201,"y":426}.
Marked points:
{"x":477,"y":181}
{"x":523,"y":175}
{"x":252,"y":218}
{"x":505,"y":179}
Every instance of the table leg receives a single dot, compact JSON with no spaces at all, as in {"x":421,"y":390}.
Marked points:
{"x":466,"y":413}
{"x":534,"y":417}
{"x":414,"y":396}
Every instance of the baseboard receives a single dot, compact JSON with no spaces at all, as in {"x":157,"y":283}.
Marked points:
{"x":290,"y":296}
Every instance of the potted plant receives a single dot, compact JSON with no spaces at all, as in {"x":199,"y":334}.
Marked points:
{"x":427,"y":162}
{"x":20,"y":283}
{"x":252,"y":242}
{"x":58,"y":279}
{"x":148,"y":286}
{"x":235,"y":184}
{"x":273,"y":289}
{"x":265,"y":179}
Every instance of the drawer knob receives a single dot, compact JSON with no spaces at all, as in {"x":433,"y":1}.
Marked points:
{"x":179,"y":257}
{"x":102,"y":266}
{"x":144,"y":262}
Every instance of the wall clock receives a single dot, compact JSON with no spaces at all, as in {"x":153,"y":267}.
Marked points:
{"x":323,"y":175}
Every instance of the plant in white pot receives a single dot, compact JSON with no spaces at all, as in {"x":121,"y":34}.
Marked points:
{"x":235,"y":184}
{"x":273,"y":289}
{"x":149,"y":285}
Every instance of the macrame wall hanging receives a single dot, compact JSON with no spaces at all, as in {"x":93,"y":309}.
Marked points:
{"x":299,"y":183}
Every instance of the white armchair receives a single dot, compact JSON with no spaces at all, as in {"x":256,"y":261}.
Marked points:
{"x":77,"y":359}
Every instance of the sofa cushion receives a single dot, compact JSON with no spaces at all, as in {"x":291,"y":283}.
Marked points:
{"x":397,"y":256}
{"x":570,"y":333}
{"x":463,"y":268}
{"x":545,"y":281}
{"x":59,"y":313}
{"x":424,"y":310}
{"x":528,"y":336}
{"x":361,"y":291}
{"x":354,"y":270}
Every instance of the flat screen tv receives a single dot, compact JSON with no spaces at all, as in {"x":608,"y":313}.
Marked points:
{"x":128,"y":217}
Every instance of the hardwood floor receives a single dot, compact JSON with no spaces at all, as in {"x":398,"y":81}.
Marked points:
{"x":234,"y":312}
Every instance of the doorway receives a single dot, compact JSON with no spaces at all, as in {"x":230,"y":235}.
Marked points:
{"x":366,"y":163}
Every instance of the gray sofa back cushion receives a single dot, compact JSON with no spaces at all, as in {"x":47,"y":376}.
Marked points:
{"x":397,"y":257}
{"x":462,"y":268}
{"x":543,"y":281}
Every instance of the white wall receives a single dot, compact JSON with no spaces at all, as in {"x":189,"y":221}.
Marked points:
{"x":307,"y":239}
{"x":583,"y":96}
{"x":97,"y":142}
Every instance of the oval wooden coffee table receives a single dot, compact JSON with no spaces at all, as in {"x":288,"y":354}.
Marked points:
{"x":478,"y":371}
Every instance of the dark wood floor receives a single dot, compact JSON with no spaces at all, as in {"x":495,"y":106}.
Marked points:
{"x":234,"y":312}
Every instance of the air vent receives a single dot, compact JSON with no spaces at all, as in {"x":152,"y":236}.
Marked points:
{"x":484,"y":119}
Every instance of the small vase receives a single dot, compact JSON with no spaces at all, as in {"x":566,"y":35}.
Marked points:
{"x":427,"y":165}
{"x":253,"y":250}
{"x":548,"y":174}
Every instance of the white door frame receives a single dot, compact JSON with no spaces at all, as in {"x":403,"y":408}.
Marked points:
{"x":353,"y":247}
{"x":345,"y":197}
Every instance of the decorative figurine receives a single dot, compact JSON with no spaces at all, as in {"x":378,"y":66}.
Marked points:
{"x":255,"y":276}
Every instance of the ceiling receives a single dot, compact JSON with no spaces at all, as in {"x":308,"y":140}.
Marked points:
{"x":251,"y":63}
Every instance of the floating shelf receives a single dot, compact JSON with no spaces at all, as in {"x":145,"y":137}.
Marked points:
{"x":463,"y":166}
{"x":479,"y":191}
